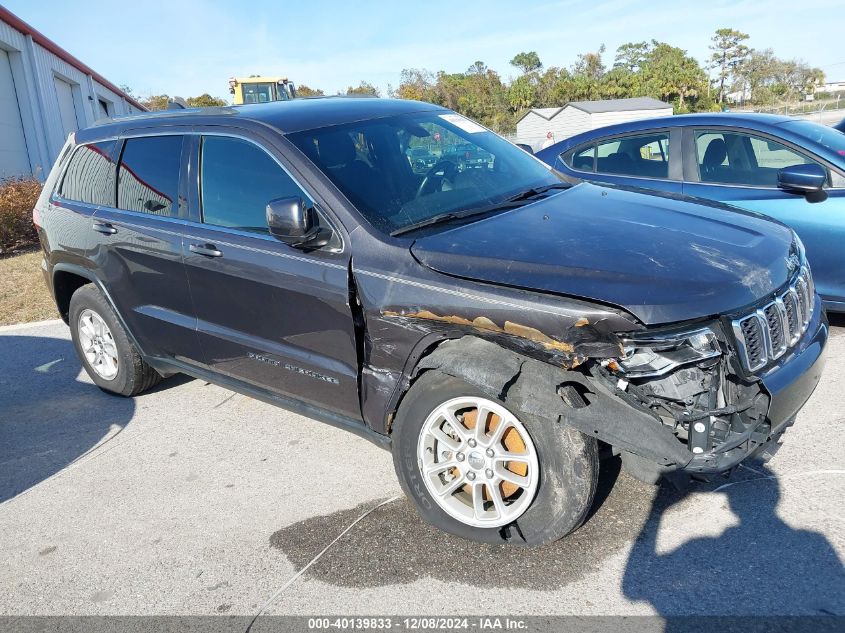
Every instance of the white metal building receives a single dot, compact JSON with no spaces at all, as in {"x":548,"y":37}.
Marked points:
{"x":831,"y":86}
{"x":45,"y":94}
{"x":580,"y":116}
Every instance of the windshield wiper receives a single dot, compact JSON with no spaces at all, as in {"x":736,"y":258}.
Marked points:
{"x":528,"y":194}
{"x":508,"y":203}
{"x":440,"y":219}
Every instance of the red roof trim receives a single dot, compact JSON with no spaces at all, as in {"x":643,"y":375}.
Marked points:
{"x":42,"y":40}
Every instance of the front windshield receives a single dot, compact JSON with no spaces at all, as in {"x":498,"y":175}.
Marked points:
{"x":258,"y":93}
{"x":827,"y":136}
{"x":399,"y":171}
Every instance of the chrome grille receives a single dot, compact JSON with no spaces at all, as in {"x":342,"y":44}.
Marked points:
{"x":767,"y":333}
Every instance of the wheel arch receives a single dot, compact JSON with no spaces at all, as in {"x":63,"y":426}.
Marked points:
{"x":491,"y":367}
{"x":569,"y":397}
{"x":68,"y":278}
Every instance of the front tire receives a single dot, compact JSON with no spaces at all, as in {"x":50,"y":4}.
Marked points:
{"x":478,"y":469}
{"x":103,"y":346}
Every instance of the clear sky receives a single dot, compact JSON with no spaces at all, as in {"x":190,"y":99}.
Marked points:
{"x":188,"y":47}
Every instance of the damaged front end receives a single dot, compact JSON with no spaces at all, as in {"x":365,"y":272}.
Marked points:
{"x":672,"y":401}
{"x":728,"y":389}
{"x":687,"y":380}
{"x":697,"y":397}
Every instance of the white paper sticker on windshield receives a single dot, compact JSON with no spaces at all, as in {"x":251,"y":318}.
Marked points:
{"x":465,"y":124}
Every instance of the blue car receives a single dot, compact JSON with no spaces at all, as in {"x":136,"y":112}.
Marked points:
{"x":789,"y":169}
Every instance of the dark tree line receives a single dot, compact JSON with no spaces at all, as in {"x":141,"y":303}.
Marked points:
{"x":654,"y":69}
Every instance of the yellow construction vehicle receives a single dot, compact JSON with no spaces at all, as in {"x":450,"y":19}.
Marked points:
{"x":261,"y":89}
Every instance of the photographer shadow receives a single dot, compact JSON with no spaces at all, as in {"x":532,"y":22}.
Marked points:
{"x":759,"y":566}
{"x":49,"y":416}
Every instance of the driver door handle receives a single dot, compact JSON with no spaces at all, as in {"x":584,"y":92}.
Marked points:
{"x":104,"y":227}
{"x":209,"y":250}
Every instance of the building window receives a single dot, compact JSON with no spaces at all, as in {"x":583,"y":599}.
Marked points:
{"x":104,"y":107}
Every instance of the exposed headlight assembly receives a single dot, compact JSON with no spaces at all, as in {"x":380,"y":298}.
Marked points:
{"x":655,"y":355}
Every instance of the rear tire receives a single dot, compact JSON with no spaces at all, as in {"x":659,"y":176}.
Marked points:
{"x":103,"y":346}
{"x":566,"y":461}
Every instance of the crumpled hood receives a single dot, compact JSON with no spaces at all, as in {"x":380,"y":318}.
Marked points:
{"x":661,"y":258}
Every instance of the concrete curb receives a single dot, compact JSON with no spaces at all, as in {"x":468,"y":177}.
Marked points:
{"x":26,"y":326}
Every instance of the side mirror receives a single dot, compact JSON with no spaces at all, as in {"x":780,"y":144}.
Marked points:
{"x":525,"y":147}
{"x":290,"y":221}
{"x":806,"y":179}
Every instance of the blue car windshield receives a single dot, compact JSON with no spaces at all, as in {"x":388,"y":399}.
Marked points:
{"x":827,"y":136}
{"x":376,"y":164}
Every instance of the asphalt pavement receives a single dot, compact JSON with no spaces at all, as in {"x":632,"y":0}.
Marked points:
{"x":191,"y":499}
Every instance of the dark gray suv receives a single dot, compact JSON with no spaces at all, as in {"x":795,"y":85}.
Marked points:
{"x":494,"y":327}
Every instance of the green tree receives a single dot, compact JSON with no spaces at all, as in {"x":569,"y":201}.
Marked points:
{"x":306,"y":91}
{"x":767,"y":79}
{"x":416,"y":84}
{"x":155,"y":102}
{"x":795,"y":78}
{"x":363,"y":89}
{"x":729,"y":52}
{"x":522,"y":93}
{"x":755,"y":75}
{"x":477,"y":93}
{"x":527,"y":62}
{"x":672,"y":75}
{"x":619,"y":83}
{"x":555,"y":87}
{"x":205,"y":100}
{"x":632,"y":56}
{"x":478,"y":68}
{"x":590,"y":65}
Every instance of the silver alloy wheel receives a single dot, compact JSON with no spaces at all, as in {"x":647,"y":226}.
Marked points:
{"x":478,"y":462}
{"x":97,"y":343}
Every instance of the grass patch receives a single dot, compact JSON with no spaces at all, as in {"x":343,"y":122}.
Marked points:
{"x":23,"y":294}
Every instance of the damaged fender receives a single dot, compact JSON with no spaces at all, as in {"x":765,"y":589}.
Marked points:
{"x":560,"y":395}
{"x":405,"y":313}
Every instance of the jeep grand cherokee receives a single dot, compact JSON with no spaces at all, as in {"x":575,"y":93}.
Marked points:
{"x":493,"y":327}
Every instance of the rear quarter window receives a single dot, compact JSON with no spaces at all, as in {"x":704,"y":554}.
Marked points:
{"x":642,"y":155}
{"x":582,"y":159}
{"x":148,"y":176}
{"x":89,"y":177}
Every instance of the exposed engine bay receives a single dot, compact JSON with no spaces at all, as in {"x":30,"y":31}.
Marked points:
{"x":716,"y":413}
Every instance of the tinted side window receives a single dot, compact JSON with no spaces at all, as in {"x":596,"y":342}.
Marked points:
{"x":89,"y":175}
{"x":644,"y":155}
{"x":148,"y":177}
{"x":238,"y":180}
{"x":742,"y":159}
{"x":582,"y":159}
{"x":772,"y":155}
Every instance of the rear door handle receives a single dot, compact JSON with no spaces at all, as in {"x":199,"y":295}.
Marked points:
{"x":209,"y":250}
{"x":105,"y":228}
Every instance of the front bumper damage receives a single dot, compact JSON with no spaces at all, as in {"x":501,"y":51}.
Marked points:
{"x":784,"y":389}
{"x":697,"y":442}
